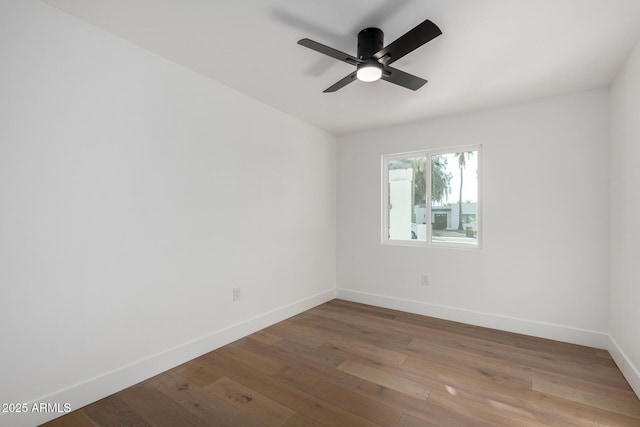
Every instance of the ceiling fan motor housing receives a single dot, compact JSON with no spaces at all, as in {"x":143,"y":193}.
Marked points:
{"x":370,"y":42}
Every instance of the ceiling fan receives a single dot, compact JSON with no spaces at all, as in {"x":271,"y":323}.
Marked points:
{"x":374,"y":60}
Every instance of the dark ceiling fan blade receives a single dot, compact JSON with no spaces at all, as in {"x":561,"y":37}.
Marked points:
{"x":393,"y":75}
{"x":342,"y":83}
{"x":409,"y":42}
{"x":329,"y":51}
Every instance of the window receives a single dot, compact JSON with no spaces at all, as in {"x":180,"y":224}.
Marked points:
{"x":432,"y":197}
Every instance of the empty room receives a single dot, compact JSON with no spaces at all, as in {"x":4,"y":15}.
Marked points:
{"x":319,"y":213}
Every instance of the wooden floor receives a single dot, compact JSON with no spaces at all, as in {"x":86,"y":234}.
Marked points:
{"x":347,"y":364}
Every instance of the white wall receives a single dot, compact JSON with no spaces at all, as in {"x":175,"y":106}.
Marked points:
{"x":624,"y":318}
{"x":543,"y":267}
{"x":134,"y":194}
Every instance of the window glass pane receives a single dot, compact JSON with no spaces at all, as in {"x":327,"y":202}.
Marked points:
{"x":407,"y":199}
{"x":454,"y":198}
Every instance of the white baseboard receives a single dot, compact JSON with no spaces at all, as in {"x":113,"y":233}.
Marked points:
{"x":504,"y":323}
{"x":96,"y":388}
{"x":628,"y":369}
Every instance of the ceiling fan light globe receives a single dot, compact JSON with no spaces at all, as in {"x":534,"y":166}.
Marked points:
{"x":369,"y":73}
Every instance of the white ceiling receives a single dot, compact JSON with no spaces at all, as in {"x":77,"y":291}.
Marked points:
{"x":492,"y":52}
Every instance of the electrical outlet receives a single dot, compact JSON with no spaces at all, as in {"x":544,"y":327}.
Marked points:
{"x":236,"y":294}
{"x":424,"y":280}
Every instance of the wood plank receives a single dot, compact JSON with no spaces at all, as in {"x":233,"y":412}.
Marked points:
{"x":290,"y":356}
{"x":539,"y":407}
{"x":265,"y":337}
{"x":199,"y":373}
{"x":358,"y":330}
{"x":250,"y":401}
{"x":338,"y":337}
{"x":425,"y":411}
{"x":257,"y":361}
{"x":603,"y":354}
{"x":310,"y":353}
{"x":72,"y":419}
{"x":113,"y":411}
{"x":304,"y":403}
{"x":288,"y":331}
{"x":387,"y":326}
{"x":491,"y":413}
{"x":474,"y":363}
{"x":368,"y":351}
{"x":156,"y":408}
{"x":466,"y":376}
{"x":503,"y":353}
{"x":386,"y":379}
{"x":214,"y":411}
{"x":307,"y":381}
{"x":299,"y":420}
{"x":516,"y":362}
{"x":410,"y":421}
{"x":608,"y":398}
{"x":596,"y":373}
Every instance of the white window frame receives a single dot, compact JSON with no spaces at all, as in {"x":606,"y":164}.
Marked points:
{"x":386,"y":158}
